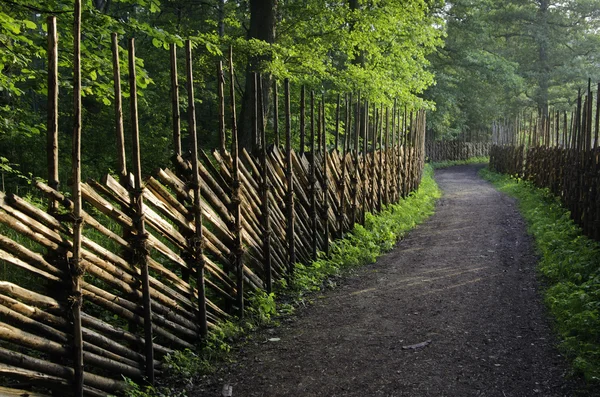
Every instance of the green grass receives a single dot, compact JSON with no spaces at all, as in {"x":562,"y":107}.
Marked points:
{"x":450,"y":163}
{"x":362,"y":246}
{"x":570,"y":265}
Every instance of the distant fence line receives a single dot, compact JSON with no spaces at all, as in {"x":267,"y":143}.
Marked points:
{"x":455,"y":150}
{"x":560,"y":152}
{"x":110,"y":279}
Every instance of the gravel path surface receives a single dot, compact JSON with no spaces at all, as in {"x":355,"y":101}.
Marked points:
{"x":453,"y":310}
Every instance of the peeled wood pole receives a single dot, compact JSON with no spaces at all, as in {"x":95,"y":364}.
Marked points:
{"x":364,"y":161}
{"x":347,"y":131}
{"x":395,"y":147}
{"x":140,"y":245}
{"x":289,"y":205}
{"x":175,"y":101}
{"x":275,"y":113}
{"x":337,"y":123}
{"x":119,"y":111}
{"x":221,"y":94}
{"x":356,"y":160}
{"x":198,"y":239}
{"x":236,"y":199}
{"x":597,"y":124}
{"x":75,"y":266}
{"x":313,"y":178}
{"x":325,"y":216}
{"x":52,"y":117}
{"x":374,"y":195}
{"x":386,"y":197}
{"x":302,"y":119}
{"x":266,"y":222}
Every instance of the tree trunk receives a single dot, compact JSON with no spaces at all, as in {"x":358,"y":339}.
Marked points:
{"x":262,"y":27}
{"x":543,"y":68}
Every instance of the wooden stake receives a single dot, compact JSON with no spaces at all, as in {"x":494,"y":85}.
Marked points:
{"x":75,"y":265}
{"x":325,"y":216}
{"x":140,"y":244}
{"x":221,"y":95}
{"x":197,"y":243}
{"x":365,"y":175}
{"x":313,"y":178}
{"x":356,"y":162}
{"x":176,"y":115}
{"x":290,"y":181}
{"x":236,"y":197}
{"x":302,"y":119}
{"x":52,"y":117}
{"x":347,"y":133}
{"x":275,"y":113}
{"x":265,"y":218}
{"x":337,"y":123}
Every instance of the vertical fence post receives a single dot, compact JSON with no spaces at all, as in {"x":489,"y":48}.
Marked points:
{"x":276,"y":113}
{"x":52,"y":117}
{"x":365,"y":175}
{"x":347,"y":132}
{"x":119,"y":111}
{"x":374,"y":135}
{"x":235,"y":193}
{"x":198,"y":239}
{"x":302,"y":120}
{"x":395,"y":148}
{"x":313,"y":178}
{"x":597,"y":124}
{"x":140,"y":246}
{"x":325,"y":180}
{"x":386,"y":168}
{"x":337,"y":123}
{"x":176,"y":114}
{"x":354,"y":181}
{"x":75,"y":266}
{"x":221,"y":94}
{"x":289,"y":205}
{"x":265,"y":187}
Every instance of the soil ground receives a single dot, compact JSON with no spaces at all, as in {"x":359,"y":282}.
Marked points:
{"x":454,"y":310}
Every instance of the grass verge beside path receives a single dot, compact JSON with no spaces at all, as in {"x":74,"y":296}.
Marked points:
{"x":361,"y":246}
{"x":570,"y":265}
{"x":364,"y":244}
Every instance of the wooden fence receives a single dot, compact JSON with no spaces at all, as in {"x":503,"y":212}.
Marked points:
{"x":106,"y":281}
{"x":455,"y":150}
{"x":560,"y":152}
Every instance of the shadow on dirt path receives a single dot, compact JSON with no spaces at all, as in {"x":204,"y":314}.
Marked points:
{"x":453,"y":310}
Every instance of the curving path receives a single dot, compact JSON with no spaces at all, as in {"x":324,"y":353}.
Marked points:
{"x":454,"y":310}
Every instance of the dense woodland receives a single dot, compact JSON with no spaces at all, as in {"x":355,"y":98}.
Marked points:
{"x":469,"y":61}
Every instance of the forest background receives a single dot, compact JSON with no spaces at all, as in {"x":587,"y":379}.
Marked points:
{"x":469,"y":62}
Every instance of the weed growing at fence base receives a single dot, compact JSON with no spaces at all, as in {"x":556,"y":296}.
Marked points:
{"x":570,"y":264}
{"x":360,"y":247}
{"x":364,"y":244}
{"x":450,"y":163}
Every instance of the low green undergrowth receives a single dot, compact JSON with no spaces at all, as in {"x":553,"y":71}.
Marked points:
{"x":450,"y":163}
{"x":570,"y":265}
{"x":363,"y":245}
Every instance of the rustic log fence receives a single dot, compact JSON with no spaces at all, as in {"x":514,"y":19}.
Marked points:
{"x":560,"y":152}
{"x":444,"y":150}
{"x":109,"y":280}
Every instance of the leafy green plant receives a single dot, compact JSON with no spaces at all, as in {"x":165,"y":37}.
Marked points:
{"x":569,"y":262}
{"x":366,"y":243}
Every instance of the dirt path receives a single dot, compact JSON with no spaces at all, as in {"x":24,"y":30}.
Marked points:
{"x":454,"y":310}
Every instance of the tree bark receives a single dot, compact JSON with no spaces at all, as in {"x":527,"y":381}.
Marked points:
{"x":543,"y":69}
{"x":262,"y":27}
